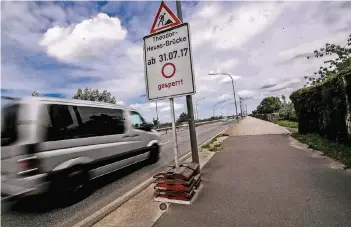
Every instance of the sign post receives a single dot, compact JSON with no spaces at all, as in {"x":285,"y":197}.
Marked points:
{"x":168,"y":63}
{"x":169,"y":74}
{"x":174,"y":131}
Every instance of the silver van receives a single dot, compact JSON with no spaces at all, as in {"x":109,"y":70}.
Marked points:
{"x":56,"y":144}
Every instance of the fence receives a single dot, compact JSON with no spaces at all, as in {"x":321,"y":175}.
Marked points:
{"x":267,"y":117}
{"x":185,"y":126}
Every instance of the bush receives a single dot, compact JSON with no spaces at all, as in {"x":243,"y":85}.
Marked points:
{"x":322,"y":109}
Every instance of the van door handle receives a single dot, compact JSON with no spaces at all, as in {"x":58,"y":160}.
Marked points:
{"x":135,"y":135}
{"x":125,"y":136}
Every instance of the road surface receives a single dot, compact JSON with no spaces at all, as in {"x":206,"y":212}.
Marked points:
{"x":107,"y":188}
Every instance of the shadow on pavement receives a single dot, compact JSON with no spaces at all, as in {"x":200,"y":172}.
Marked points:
{"x":46,"y":202}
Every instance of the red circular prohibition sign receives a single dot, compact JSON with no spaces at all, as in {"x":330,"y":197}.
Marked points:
{"x":163,"y":69}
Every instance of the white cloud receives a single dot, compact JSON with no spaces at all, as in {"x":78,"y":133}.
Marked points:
{"x":227,"y":79}
{"x":246,"y":94}
{"x":149,"y":109}
{"x":263,"y":42}
{"x":230,"y":26}
{"x":225,"y":97}
{"x":90,"y":38}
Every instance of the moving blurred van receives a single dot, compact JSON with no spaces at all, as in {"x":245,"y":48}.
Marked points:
{"x":59,"y":145}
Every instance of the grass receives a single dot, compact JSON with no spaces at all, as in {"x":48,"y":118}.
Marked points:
{"x":208,"y":144}
{"x":337,"y":151}
{"x":286,"y":123}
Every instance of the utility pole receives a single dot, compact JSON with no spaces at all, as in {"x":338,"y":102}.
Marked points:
{"x":189,"y":104}
{"x":236,"y":108}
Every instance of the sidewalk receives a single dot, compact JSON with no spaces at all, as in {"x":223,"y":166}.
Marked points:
{"x":254,"y":126}
{"x":265,"y":180}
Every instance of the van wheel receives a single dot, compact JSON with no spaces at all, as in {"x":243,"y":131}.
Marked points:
{"x":154,"y":154}
{"x":70,"y":185}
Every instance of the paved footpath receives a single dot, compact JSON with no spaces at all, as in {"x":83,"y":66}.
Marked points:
{"x":265,"y":178}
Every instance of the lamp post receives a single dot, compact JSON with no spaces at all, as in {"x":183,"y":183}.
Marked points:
{"x":236,"y":108}
{"x":197,"y":113}
{"x":241,"y":107}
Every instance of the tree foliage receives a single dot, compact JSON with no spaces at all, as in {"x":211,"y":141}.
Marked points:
{"x":284,"y":99}
{"x":94,"y":95}
{"x":183,"y":117}
{"x":340,"y":65}
{"x":34,"y":93}
{"x":155,"y":121}
{"x":287,"y":112}
{"x":268,"y":105}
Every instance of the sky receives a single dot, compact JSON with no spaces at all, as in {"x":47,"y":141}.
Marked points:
{"x":57,"y":47}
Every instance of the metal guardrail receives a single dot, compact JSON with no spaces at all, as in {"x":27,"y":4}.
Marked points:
{"x":184,"y":127}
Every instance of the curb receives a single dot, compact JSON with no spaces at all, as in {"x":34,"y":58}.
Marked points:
{"x":103,"y":212}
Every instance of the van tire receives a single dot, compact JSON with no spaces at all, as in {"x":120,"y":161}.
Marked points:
{"x":154,"y":154}
{"x":70,"y":184}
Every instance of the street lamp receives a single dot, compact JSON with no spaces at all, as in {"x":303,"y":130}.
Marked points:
{"x":218,"y":104}
{"x":236,"y":109}
{"x":241,"y":107}
{"x":197,"y":113}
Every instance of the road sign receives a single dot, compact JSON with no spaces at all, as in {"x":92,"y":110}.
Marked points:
{"x":168,"y":63}
{"x":164,"y":19}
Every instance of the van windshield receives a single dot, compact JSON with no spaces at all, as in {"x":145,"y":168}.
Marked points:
{"x":9,"y":124}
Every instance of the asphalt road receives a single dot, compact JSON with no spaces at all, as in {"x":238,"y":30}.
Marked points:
{"x":32,"y":212}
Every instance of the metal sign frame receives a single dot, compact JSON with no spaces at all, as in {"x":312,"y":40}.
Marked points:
{"x":191,"y":64}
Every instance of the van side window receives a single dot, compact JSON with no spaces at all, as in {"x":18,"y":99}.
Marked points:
{"x":62,"y":125}
{"x":137,"y":119}
{"x":100,"y":121}
{"x":9,"y":124}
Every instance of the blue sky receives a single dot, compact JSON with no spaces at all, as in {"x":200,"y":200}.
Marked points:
{"x":56,"y":48}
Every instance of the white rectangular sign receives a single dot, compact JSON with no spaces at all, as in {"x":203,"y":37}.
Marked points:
{"x":168,"y":63}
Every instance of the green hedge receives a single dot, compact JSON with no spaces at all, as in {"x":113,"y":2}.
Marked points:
{"x":322,"y":109}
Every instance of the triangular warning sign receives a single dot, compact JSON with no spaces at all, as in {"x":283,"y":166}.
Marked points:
{"x":165,"y":18}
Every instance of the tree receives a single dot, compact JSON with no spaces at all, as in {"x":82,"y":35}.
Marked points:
{"x":287,"y":112}
{"x":94,"y":95}
{"x":269,"y":105}
{"x":155,"y":121}
{"x":34,"y":93}
{"x":182,"y":117}
{"x":341,"y":64}
{"x":284,"y":99}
